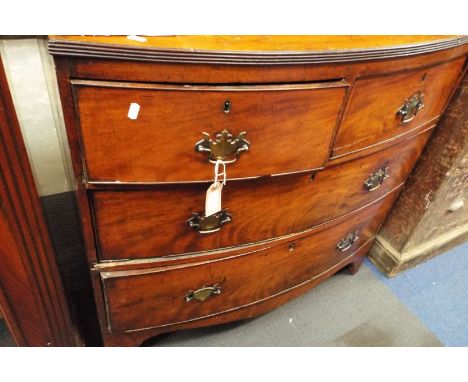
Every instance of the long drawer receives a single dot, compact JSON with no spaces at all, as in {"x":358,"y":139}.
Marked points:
{"x":153,"y":222}
{"x":391,"y":105}
{"x":155,"y":133}
{"x":152,"y":297}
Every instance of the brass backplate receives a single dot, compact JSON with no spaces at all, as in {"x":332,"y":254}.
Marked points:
{"x":224,"y":147}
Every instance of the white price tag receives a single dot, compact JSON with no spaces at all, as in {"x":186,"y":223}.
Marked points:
{"x":213,"y":199}
{"x":133,"y":110}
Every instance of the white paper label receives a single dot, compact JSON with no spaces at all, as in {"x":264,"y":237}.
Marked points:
{"x":133,"y":110}
{"x":213,"y":199}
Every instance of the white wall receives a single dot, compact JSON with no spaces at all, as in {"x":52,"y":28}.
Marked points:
{"x":31,"y":77}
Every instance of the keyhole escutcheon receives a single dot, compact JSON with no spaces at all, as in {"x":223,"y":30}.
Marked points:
{"x":227,"y":106}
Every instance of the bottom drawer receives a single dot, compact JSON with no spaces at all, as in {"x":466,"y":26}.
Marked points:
{"x":157,"y":297}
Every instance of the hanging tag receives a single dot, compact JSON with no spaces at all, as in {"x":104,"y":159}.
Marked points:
{"x":213,"y":195}
{"x":218,"y":174}
{"x":213,"y":199}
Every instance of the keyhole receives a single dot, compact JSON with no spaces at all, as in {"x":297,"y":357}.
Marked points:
{"x":292,"y":247}
{"x":227,"y":106}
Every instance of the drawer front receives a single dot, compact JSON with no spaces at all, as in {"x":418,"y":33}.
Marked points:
{"x":155,"y":297}
{"x":149,"y":223}
{"x":373,"y":114}
{"x":288,"y":128}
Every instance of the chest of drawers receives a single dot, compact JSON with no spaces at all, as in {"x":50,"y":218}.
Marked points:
{"x":319,"y":135}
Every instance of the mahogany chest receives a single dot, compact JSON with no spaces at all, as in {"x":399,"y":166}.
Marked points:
{"x":316,"y":135}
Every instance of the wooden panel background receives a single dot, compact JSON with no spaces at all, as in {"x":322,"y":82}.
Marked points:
{"x":31,"y":295}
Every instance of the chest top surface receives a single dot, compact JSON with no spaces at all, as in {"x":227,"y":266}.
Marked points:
{"x":253,"y":48}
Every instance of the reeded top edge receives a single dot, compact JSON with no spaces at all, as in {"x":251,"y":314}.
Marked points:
{"x":255,"y":50}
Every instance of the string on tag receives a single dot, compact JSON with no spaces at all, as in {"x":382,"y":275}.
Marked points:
{"x":217,"y":174}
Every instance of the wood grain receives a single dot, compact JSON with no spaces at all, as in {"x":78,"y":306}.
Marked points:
{"x":205,"y":73}
{"x":159,"y":145}
{"x":143,"y":223}
{"x":31,"y":297}
{"x":136,"y":338}
{"x":244,"y":279}
{"x":371,"y":113}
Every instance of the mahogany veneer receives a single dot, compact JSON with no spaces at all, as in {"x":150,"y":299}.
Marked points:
{"x":126,"y":221}
{"x":172,"y":118}
{"x":333,"y":131}
{"x":370,"y":117}
{"x":277,"y":267}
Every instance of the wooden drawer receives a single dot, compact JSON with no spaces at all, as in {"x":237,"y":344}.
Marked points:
{"x":143,"y":223}
{"x":289,"y":128}
{"x":155,"y":297}
{"x":372,"y":113}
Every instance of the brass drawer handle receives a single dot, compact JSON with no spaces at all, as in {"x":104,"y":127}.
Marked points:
{"x":348,"y":241}
{"x":208,"y":224}
{"x":410,"y":107}
{"x":374,"y":180}
{"x":203,"y":293}
{"x":224,"y":147}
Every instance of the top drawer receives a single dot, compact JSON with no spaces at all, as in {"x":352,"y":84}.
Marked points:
{"x":288,"y":128}
{"x":387,"y":106}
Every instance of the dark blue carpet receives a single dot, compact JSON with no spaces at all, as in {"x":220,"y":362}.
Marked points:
{"x":437,"y":293}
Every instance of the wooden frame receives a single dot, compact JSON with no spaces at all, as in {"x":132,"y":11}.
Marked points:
{"x":32,"y":299}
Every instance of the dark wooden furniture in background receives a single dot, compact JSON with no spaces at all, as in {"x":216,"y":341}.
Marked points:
{"x":430,"y":215}
{"x":333,"y":127}
{"x":32,"y":300}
